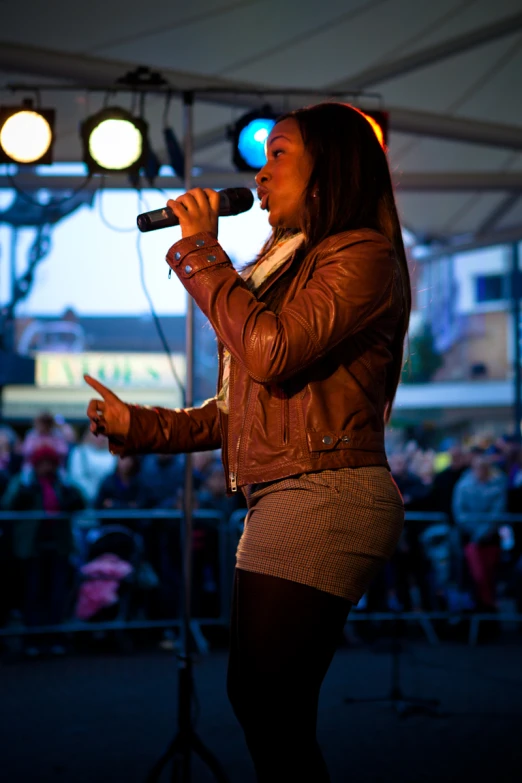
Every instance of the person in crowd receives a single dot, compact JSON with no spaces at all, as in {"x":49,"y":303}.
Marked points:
{"x":163,"y":475}
{"x":211,"y":496}
{"x":124,"y":487}
{"x":422,"y":465}
{"x":10,"y":458}
{"x":90,"y":462}
{"x":441,"y":496}
{"x":311,"y":347}
{"x":45,"y":433}
{"x":10,"y":463}
{"x":410,"y":568}
{"x":43,"y":547}
{"x":5,"y":461}
{"x":413,"y":490}
{"x":441,"y":499}
{"x":479,"y":497}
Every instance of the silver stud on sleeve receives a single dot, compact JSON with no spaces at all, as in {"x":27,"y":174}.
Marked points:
{"x":211,"y":258}
{"x":188,"y":269}
{"x":177,"y":255}
{"x":200,"y":242}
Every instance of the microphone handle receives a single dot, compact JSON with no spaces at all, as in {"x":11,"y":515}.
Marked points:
{"x":165,"y":217}
{"x":157,"y":218}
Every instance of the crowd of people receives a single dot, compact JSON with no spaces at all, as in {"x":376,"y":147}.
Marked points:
{"x":52,"y":570}
{"x":56,"y":568}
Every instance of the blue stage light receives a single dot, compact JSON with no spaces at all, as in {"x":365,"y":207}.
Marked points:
{"x":252,"y":140}
{"x":249,"y":136}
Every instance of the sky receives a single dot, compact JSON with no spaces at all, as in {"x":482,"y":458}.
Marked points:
{"x":94,"y":269}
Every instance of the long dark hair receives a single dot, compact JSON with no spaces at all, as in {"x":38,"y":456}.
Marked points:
{"x":351,"y":178}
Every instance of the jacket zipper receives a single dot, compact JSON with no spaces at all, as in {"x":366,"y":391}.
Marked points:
{"x":284,"y":416}
{"x":224,"y":429}
{"x":232,"y":476}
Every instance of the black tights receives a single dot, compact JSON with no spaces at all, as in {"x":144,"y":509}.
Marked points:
{"x":283,"y":639}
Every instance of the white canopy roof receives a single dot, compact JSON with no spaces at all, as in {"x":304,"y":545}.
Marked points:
{"x":449,"y":73}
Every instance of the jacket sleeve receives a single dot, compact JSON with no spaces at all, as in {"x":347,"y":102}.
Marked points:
{"x":350,"y":286}
{"x":166,"y":431}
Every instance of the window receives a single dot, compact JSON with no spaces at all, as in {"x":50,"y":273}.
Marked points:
{"x":490,"y":288}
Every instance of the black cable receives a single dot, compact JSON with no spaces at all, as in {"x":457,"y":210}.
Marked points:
{"x":157,"y":322}
{"x":166,"y":108}
{"x":102,"y":216}
{"x":163,"y":192}
{"x":53,"y":203}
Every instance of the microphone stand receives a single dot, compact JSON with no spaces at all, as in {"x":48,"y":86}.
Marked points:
{"x":403,"y":705}
{"x":186,"y":741}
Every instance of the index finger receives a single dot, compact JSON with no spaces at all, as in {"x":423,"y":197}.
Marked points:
{"x":100,"y":388}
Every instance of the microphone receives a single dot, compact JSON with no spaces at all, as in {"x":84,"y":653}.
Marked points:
{"x":232,"y":201}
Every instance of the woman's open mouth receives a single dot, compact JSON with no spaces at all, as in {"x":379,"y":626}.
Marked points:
{"x":262,"y":195}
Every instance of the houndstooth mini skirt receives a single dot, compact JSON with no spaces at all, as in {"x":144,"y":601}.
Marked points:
{"x":332,"y":530}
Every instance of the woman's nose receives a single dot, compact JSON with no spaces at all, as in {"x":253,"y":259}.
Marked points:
{"x":261,"y":176}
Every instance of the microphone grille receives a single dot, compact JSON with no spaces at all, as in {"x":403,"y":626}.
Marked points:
{"x":241,"y":200}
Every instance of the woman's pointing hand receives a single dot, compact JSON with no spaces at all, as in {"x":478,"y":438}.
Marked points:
{"x":109,"y":416}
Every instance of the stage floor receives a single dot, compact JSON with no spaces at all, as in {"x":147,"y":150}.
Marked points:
{"x":102,"y":716}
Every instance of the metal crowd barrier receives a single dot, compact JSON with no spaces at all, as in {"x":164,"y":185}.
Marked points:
{"x":90,"y":519}
{"x":229,"y":532}
{"x":425,"y":618}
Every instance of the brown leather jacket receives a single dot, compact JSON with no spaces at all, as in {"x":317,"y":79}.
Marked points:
{"x":307,"y":385}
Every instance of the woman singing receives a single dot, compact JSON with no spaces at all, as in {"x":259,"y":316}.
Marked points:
{"x":310,"y":343}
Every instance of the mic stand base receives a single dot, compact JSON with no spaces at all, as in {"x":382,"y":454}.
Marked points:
{"x":186,"y":740}
{"x":403,"y":705}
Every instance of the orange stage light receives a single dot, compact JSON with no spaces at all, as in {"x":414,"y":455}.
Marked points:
{"x":379,"y":122}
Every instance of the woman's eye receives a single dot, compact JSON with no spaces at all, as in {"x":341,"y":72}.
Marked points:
{"x":276,"y":153}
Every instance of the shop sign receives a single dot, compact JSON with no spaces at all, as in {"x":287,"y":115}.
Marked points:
{"x":66,"y":370}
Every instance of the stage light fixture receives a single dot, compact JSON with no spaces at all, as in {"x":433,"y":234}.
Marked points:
{"x":248,"y":136}
{"x":26,"y":134}
{"x":379,"y":122}
{"x":114,"y":141}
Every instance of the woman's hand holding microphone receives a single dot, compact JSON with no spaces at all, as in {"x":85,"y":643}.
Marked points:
{"x":197,"y":211}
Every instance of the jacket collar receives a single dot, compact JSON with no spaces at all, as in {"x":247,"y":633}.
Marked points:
{"x":331,"y":244}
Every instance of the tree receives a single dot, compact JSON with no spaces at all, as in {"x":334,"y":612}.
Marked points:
{"x":422,"y":359}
